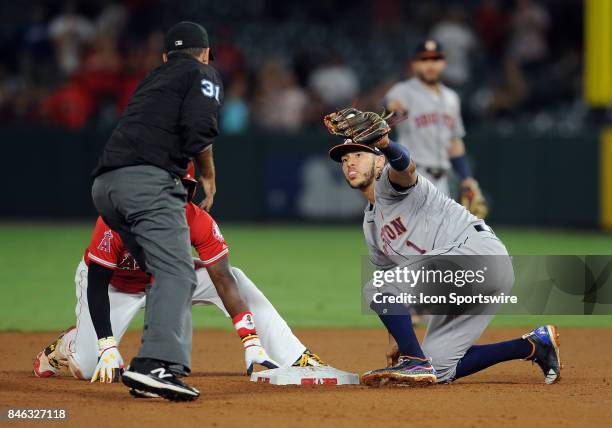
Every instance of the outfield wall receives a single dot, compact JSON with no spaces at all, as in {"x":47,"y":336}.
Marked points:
{"x":540,"y":179}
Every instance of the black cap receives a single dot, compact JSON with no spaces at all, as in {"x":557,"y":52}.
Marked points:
{"x":185,"y":35}
{"x":429,"y":49}
{"x":349,"y":146}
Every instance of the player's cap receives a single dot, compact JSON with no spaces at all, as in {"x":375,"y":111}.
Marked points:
{"x":185,"y":35}
{"x":428,"y":49}
{"x":348,"y":146}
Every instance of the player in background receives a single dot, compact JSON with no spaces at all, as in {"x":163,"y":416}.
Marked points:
{"x":90,"y":350}
{"x":433,"y":130}
{"x":406,"y":217}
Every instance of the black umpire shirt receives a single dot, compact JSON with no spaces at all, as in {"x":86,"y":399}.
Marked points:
{"x":171,"y":117}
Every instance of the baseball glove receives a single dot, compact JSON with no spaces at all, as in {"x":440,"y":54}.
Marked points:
{"x":473,"y":200}
{"x":361,"y":127}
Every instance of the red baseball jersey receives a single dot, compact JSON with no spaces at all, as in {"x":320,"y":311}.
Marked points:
{"x":107,"y":249}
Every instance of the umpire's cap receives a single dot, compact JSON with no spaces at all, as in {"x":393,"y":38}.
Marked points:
{"x":185,"y":35}
{"x":428,"y":49}
{"x":349,"y":146}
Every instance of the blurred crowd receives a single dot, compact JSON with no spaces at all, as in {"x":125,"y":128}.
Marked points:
{"x":285,"y":63}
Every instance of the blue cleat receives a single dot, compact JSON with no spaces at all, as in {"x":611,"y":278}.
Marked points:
{"x":408,"y":371}
{"x":545,"y":340}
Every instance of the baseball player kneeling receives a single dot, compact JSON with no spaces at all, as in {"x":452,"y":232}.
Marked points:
{"x":111,"y":288}
{"x":409,"y":223}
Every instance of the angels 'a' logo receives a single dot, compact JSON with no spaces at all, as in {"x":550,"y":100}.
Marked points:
{"x":105,"y":243}
{"x":248,"y":320}
{"x":217,"y":233}
{"x":128,"y":262}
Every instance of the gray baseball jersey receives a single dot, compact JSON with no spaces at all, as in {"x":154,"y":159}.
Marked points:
{"x":433,"y":120}
{"x":413,"y":222}
{"x":422,"y":220}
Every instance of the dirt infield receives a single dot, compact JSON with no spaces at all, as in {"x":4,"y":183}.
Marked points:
{"x":510,"y":394}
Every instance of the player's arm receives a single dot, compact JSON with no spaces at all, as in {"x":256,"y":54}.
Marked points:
{"x":456,"y":147}
{"x":225,"y":282}
{"x":110,"y":363}
{"x":199,"y":122}
{"x":456,"y":154}
{"x":206,"y":167}
{"x":471,"y":195}
{"x":396,"y":100}
{"x":98,"y":278}
{"x":402,"y":174}
{"x":213,"y":251}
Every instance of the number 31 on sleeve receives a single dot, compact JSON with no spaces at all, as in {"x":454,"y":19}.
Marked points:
{"x":210,"y":90}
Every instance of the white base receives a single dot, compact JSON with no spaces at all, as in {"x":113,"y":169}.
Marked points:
{"x":305,"y":376}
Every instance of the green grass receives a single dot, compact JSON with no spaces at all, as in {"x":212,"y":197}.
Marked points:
{"x":311,"y":274}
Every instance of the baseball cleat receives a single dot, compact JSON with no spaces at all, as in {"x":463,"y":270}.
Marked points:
{"x":49,"y":362}
{"x":408,"y":371}
{"x":309,"y":359}
{"x":545,"y":340}
{"x":153,"y":377}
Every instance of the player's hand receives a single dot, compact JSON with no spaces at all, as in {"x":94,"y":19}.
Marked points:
{"x":397,"y":107}
{"x":210,"y":188}
{"x":383,"y":142}
{"x":392,"y":352}
{"x":473,"y":199}
{"x":256,"y":354}
{"x":361,"y":127}
{"x":110,"y":363}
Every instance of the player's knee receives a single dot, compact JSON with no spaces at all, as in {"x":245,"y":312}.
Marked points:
{"x":238,"y":273}
{"x":247,"y":289}
{"x":81,"y":369}
{"x":445,"y":368}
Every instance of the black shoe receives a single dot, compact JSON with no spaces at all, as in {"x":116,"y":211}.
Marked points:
{"x":154,"y":377}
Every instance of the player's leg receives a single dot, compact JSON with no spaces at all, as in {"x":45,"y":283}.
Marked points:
{"x":401,"y":327}
{"x":480,"y":357}
{"x":450,"y":335}
{"x":412,"y":365}
{"x":54,"y":357}
{"x":276,"y":336}
{"x":449,"y":343}
{"x":450,"y":339}
{"x":540,"y":345}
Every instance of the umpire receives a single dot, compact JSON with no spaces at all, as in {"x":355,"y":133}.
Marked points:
{"x":137,"y":189}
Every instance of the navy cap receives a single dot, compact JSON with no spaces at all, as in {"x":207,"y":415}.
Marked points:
{"x":349,"y":146}
{"x":429,"y":49}
{"x":185,"y":35}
